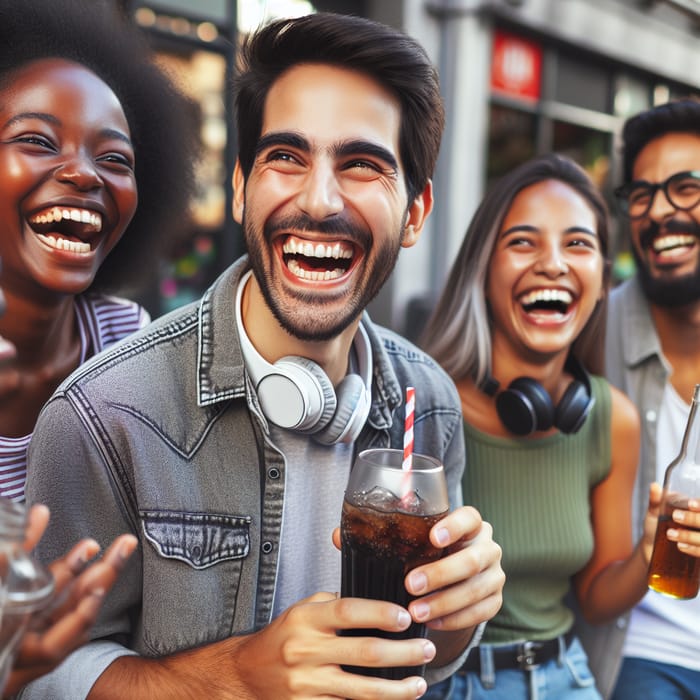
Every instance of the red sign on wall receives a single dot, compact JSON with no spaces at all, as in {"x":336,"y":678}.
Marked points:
{"x":516,"y":66}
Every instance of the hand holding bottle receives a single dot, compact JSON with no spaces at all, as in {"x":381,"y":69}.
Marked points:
{"x":675,"y":563}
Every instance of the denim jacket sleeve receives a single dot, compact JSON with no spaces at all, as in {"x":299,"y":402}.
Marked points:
{"x":68,"y":475}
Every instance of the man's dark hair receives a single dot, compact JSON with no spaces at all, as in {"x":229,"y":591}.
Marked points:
{"x":394,"y":60}
{"x":673,"y":117}
{"x":93,"y":34}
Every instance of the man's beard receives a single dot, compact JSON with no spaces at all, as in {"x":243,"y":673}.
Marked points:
{"x":668,"y":293}
{"x":319,"y":325}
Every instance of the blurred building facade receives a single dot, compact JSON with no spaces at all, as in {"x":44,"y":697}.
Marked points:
{"x":520,"y":77}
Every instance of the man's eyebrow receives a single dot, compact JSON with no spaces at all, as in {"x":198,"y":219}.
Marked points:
{"x":343,"y":149}
{"x":282,"y":138}
{"x":368,"y":148}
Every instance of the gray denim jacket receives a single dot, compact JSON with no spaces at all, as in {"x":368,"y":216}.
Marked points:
{"x":155,"y":437}
{"x":634,"y":364}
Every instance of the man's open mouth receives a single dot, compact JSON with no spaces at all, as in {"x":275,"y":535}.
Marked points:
{"x":316,"y":261}
{"x":673,"y":244}
{"x":555,"y":301}
{"x":66,"y":228}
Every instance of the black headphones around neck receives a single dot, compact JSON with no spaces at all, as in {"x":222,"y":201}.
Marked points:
{"x":525,"y":406}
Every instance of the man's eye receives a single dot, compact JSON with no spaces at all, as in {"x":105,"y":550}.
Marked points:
{"x":362,"y":165}
{"x":639,"y":195}
{"x":280,"y":155}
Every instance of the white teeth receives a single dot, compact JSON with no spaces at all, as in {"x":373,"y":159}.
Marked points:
{"x":314,"y":275}
{"x":536,"y":295}
{"x":337,"y":251}
{"x":65,"y":244}
{"x":54,"y":214}
{"x":672,"y":241}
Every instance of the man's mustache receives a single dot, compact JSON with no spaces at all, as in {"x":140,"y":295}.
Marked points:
{"x":333,"y":226}
{"x":653,"y":229}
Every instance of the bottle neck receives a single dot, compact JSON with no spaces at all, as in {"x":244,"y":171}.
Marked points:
{"x":690,"y":447}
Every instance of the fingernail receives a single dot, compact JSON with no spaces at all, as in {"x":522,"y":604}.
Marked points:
{"x":80,"y":559}
{"x":679,"y":516}
{"x":418,"y":583}
{"x":683,"y":545}
{"x":125,"y":550}
{"x":672,"y":534}
{"x":421,"y":687}
{"x":420,"y":611}
{"x":428,"y":651}
{"x":403,"y":618}
{"x":442,"y":536}
{"x":695,"y":505}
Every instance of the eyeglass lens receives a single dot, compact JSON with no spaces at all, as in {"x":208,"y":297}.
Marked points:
{"x":682,"y":190}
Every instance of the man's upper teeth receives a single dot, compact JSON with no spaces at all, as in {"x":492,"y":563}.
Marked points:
{"x":54,"y":214}
{"x":672,"y":241}
{"x":547,"y":295}
{"x":318,"y":250}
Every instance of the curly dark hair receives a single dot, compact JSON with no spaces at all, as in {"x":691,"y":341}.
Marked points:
{"x":394,"y":60}
{"x":671,"y":117}
{"x":94,"y":34}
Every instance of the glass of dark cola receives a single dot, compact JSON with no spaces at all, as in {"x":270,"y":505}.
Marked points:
{"x":388,"y":512}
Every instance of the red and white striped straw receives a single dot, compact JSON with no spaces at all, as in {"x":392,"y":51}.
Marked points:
{"x":407,"y":463}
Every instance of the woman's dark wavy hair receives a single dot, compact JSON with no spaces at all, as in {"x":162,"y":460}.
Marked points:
{"x":92,"y":33}
{"x":672,"y":117}
{"x":394,"y":60}
{"x":458,"y":332}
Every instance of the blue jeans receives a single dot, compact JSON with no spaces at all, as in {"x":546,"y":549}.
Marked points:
{"x":642,"y":679}
{"x":565,"y":678}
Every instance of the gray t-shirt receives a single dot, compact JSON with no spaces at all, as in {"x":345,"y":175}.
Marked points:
{"x":316,"y":476}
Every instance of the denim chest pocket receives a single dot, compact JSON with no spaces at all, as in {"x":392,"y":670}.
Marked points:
{"x":199,"y":539}
{"x":192,"y":576}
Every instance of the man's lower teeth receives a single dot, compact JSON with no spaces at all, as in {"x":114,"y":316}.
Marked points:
{"x":313,"y":275}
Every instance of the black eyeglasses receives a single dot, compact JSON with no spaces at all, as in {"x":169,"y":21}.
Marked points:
{"x":682,"y":190}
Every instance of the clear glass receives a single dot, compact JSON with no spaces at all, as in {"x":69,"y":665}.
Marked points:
{"x":384,"y":531}
{"x":672,"y":572}
{"x":26,"y":586}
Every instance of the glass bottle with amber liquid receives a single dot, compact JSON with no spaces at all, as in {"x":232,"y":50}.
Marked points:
{"x":672,"y":572}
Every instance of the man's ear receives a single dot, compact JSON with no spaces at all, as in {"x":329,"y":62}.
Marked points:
{"x":418,"y":212}
{"x":238,"y":193}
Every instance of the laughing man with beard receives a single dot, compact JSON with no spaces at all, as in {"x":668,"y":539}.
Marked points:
{"x":653,"y":355}
{"x":223,"y":435}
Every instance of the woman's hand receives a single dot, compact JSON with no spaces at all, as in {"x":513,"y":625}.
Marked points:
{"x":80,"y":588}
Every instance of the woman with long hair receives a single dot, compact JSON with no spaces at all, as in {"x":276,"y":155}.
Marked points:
{"x":552,"y":448}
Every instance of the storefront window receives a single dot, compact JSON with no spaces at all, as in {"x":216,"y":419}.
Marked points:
{"x":511,"y":140}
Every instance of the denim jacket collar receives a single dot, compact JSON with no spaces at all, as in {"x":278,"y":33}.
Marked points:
{"x":220,"y":367}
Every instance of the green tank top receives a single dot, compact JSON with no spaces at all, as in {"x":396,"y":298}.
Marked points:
{"x":536,"y":495}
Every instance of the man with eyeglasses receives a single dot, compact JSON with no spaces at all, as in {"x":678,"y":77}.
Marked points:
{"x":653,"y":355}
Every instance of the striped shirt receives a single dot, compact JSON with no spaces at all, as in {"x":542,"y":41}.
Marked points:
{"x":102,"y":321}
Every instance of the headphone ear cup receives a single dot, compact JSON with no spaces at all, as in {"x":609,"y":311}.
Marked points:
{"x":574,"y":407}
{"x":525,"y":407}
{"x":353,"y":403}
{"x":315,"y":400}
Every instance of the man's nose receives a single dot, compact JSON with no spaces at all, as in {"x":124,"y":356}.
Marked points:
{"x":320,"y":196}
{"x":660,"y":207}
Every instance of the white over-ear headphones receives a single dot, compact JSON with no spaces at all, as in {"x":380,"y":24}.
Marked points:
{"x":296,"y":393}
